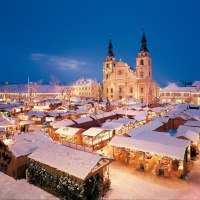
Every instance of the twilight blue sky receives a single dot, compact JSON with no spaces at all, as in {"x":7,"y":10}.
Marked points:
{"x":69,"y":39}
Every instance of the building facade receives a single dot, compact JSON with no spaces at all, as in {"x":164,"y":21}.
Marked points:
{"x":86,"y":88}
{"x":176,"y":94}
{"x":121,"y":81}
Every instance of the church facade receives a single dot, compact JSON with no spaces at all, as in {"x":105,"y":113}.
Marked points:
{"x":121,"y":81}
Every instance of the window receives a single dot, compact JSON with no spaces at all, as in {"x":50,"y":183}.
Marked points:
{"x":149,"y":74}
{"x":186,"y":94}
{"x":120,"y":90}
{"x":141,"y":90}
{"x":107,"y":90}
{"x":167,"y":94}
{"x":111,"y":90}
{"x":131,"y":90}
{"x":120,"y":72}
{"x":149,"y":62}
{"x":141,"y":74}
{"x":106,"y":76}
{"x":141,"y":62}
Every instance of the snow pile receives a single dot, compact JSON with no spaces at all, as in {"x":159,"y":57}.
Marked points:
{"x":12,"y":189}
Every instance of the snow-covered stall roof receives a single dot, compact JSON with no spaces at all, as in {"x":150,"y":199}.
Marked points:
{"x":190,"y":135}
{"x":123,"y":120}
{"x":103,"y":115}
{"x":35,"y":113}
{"x":141,"y":116}
{"x":74,"y":162}
{"x":112,"y":126}
{"x":26,"y":143}
{"x":83,"y":120}
{"x":65,"y":122}
{"x":6,"y":121}
{"x":26,"y":122}
{"x":21,"y":189}
{"x":164,"y":145}
{"x":183,"y":128}
{"x":192,"y":123}
{"x":93,"y":132}
{"x":153,"y":125}
{"x":161,"y":119}
{"x":67,"y":131}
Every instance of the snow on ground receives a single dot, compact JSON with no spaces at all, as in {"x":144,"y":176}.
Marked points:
{"x":15,"y":190}
{"x":129,"y":184}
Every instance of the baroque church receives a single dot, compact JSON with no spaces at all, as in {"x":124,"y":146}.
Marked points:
{"x":121,"y":81}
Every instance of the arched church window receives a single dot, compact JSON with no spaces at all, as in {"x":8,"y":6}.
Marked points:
{"x":141,"y":74}
{"x":141,"y":62}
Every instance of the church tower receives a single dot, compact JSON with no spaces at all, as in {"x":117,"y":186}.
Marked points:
{"x":146,"y":87}
{"x":108,"y":65}
{"x":143,"y":61}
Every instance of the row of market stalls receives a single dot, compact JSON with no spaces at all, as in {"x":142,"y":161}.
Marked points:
{"x":157,"y":148}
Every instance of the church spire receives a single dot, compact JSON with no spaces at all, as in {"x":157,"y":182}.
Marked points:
{"x":110,"y":48}
{"x":144,"y":43}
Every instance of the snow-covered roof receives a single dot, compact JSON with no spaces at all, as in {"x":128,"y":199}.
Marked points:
{"x":154,"y":142}
{"x":26,"y":122}
{"x":67,"y":131}
{"x":23,"y":88}
{"x":190,"y":135}
{"x":183,"y":128}
{"x":151,"y":126}
{"x":192,"y":123}
{"x":161,"y":119}
{"x":112,"y":126}
{"x":196,"y":83}
{"x":173,"y":87}
{"x":83,"y":120}
{"x":123,"y":121}
{"x":26,"y":143}
{"x":74,"y":162}
{"x":6,"y":121}
{"x":35,"y":113}
{"x":65,"y":122}
{"x":103,"y":115}
{"x":140,"y":117}
{"x":85,"y":82}
{"x":21,"y":189}
{"x":94,"y":131}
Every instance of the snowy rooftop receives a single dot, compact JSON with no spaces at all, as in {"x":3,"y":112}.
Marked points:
{"x":85,"y":82}
{"x":74,"y":162}
{"x":112,"y":126}
{"x":26,"y":143}
{"x":21,"y":189}
{"x":23,"y":88}
{"x":65,"y":122}
{"x":161,"y":119}
{"x":175,"y":88}
{"x":70,"y":131}
{"x":123,"y":120}
{"x":94,"y":131}
{"x":190,"y":135}
{"x":154,"y":142}
{"x":183,"y":128}
{"x":192,"y":123}
{"x":6,"y":121}
{"x":83,"y":120}
{"x":153,"y":125}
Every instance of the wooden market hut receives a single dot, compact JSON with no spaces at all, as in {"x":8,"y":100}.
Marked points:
{"x":70,"y":135}
{"x":96,"y":137}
